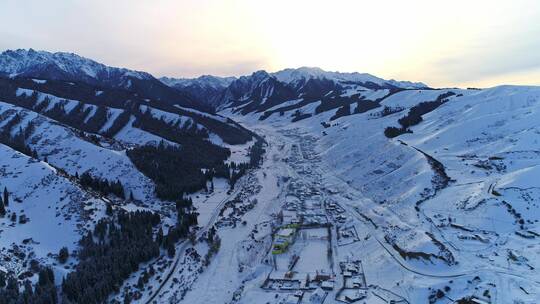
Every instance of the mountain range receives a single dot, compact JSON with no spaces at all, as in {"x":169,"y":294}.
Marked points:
{"x":262,"y":90}
{"x":207,"y":92}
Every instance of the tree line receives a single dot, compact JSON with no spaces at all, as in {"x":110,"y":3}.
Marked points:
{"x":109,"y":254}
{"x":102,"y":185}
{"x":42,"y":292}
{"x":414,"y":116}
{"x":178,"y":170}
{"x":4,"y":202}
{"x":17,"y":141}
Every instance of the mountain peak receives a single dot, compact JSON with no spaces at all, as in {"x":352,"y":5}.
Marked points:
{"x":260,"y":75}
{"x":204,"y":81}
{"x":304,"y":73}
{"x":58,"y":65}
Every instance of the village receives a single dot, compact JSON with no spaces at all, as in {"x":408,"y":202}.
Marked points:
{"x":314,"y":245}
{"x":307,"y":234}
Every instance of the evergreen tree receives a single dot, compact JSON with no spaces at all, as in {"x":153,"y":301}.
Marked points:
{"x":192,"y":238}
{"x":28,"y":291}
{"x":12,"y":285}
{"x":159,"y":237}
{"x":2,"y":208}
{"x":171,"y":251}
{"x":102,"y":185}
{"x":2,"y":279}
{"x":109,"y":210}
{"x":63,"y":255}
{"x":6,"y":197}
{"x":177,"y":171}
{"x":104,"y":265}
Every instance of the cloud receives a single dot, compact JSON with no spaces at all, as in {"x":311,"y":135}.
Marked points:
{"x":483,"y":63}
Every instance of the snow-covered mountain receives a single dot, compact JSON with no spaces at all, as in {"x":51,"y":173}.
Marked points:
{"x":64,"y":66}
{"x":306,"y":73}
{"x":206,"y":89}
{"x":205,"y":81}
{"x":70,"y":67}
{"x":262,"y":91}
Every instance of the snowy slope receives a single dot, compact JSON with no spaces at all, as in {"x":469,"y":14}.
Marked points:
{"x":138,"y":137}
{"x":52,"y":205}
{"x":65,"y":149}
{"x":460,"y":193}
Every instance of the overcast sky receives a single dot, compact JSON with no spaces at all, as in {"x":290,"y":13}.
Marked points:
{"x":442,"y":43}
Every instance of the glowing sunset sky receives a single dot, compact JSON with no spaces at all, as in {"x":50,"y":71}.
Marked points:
{"x":442,"y":43}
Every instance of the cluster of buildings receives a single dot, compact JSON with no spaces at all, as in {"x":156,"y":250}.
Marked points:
{"x":354,"y":282}
{"x":336,"y":212}
{"x":299,"y":254}
{"x":346,"y":235}
{"x":294,"y":281}
{"x":316,"y":297}
{"x":301,"y":248}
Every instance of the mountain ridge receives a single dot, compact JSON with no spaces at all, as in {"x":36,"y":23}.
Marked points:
{"x":71,"y":67}
{"x":206,"y":92}
{"x":220,"y":92}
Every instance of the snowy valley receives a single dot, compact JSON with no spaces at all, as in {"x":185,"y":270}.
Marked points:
{"x":299,"y":186}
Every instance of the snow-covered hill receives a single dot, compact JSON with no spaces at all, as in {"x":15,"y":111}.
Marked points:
{"x":454,"y":196}
{"x":46,"y":212}
{"x":77,"y":148}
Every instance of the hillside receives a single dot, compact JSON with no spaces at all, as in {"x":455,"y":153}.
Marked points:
{"x":450,"y":201}
{"x":81,"y":154}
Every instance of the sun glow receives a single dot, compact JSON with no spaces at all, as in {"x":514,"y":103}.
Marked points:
{"x":441,"y":43}
{"x":412,"y":40}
